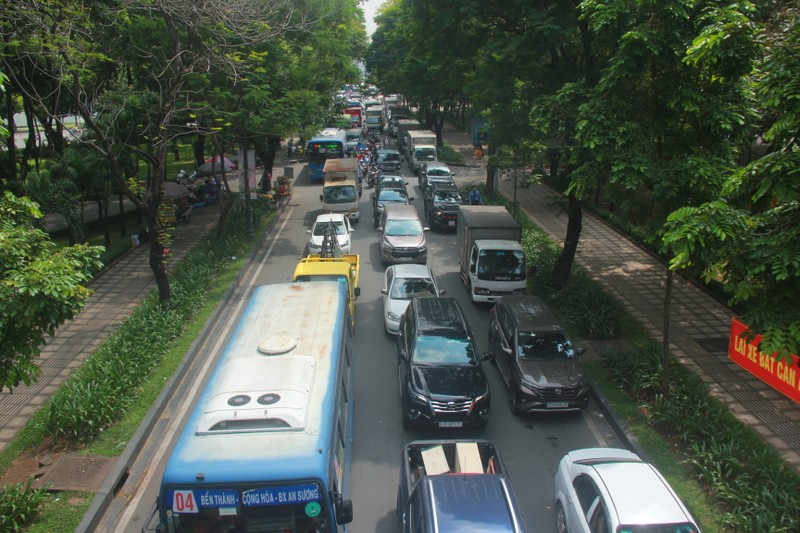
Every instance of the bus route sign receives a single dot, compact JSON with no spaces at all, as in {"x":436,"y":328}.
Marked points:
{"x":281,"y":495}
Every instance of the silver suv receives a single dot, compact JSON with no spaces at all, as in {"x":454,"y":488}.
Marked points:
{"x":402,"y":237}
{"x":434,"y":172}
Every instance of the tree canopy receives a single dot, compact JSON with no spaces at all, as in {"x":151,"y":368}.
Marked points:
{"x":647,"y":109}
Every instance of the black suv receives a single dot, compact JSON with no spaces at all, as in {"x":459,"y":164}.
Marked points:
{"x":441,"y":205}
{"x":535,"y":357}
{"x":442,"y":383}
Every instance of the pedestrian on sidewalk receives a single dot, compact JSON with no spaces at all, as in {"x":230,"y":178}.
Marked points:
{"x":475,"y":196}
{"x":290,"y":148}
{"x":478,"y":152}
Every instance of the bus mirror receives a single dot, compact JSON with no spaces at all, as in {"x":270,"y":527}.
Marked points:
{"x":343,"y":508}
{"x":357,"y":292}
{"x":344,"y":512}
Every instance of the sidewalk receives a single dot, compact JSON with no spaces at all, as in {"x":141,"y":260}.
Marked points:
{"x":700,"y":325}
{"x":117,"y":292}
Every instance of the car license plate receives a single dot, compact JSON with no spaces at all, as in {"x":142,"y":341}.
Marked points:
{"x":557,"y":405}
{"x":451,"y":222}
{"x":451,"y":424}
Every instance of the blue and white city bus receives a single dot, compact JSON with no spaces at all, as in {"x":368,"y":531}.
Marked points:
{"x":267,"y":447}
{"x":330,"y":143}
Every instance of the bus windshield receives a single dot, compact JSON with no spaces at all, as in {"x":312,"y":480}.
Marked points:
{"x":285,"y":508}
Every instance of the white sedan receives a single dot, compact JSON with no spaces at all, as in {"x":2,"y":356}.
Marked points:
{"x":341,"y":226}
{"x":400,"y":284}
{"x":608,"y":490}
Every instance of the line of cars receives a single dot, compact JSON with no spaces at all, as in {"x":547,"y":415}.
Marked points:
{"x":443,"y":385}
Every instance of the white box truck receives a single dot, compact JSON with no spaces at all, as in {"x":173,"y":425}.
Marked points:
{"x":421,"y":146}
{"x":340,"y":189}
{"x":491,"y":259}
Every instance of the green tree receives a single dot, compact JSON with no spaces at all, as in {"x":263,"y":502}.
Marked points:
{"x":41,"y":287}
{"x":138,"y":71}
{"x":749,"y":238}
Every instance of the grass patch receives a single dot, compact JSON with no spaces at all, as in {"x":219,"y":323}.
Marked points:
{"x":61,"y":511}
{"x":113,"y":441}
{"x":665,"y":454}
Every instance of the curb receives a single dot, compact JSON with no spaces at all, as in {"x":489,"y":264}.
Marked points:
{"x":616,"y":422}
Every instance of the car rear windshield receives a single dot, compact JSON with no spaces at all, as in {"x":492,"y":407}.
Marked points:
{"x":532,"y":345}
{"x":441,"y":350}
{"x":403,"y":228}
{"x":447,"y":197}
{"x":321,"y":228}
{"x":438,"y":172}
{"x":407,"y":288}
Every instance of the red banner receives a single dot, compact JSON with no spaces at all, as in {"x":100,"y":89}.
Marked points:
{"x":777,"y":374}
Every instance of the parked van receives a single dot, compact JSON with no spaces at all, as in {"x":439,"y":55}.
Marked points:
{"x":402,"y":236}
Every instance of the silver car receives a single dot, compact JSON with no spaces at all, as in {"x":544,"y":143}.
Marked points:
{"x":610,"y":490}
{"x":402,"y":237}
{"x":400,"y":284}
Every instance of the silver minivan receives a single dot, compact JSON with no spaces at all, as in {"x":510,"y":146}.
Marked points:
{"x":402,"y":236}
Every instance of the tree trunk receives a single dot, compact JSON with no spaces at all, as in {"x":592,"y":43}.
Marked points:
{"x":199,"y":146}
{"x":158,"y":253}
{"x":563,"y":266}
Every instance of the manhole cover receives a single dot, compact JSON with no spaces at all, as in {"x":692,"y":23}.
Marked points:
{"x":76,"y":472}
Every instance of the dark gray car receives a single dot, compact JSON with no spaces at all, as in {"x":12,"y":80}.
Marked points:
{"x":535,"y":357}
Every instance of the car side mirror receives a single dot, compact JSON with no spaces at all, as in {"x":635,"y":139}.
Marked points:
{"x":401,"y":353}
{"x":486,"y":356}
{"x":426,"y":229}
{"x":442,"y":292}
{"x":410,"y":198}
{"x":308,"y":231}
{"x":320,"y":198}
{"x":580,"y":351}
{"x":384,"y":291}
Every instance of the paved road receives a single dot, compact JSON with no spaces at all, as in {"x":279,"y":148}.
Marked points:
{"x":379,"y":435}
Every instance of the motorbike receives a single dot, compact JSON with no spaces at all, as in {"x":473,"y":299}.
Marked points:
{"x":186,"y":179}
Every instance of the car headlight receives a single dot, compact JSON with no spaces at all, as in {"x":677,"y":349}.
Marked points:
{"x":530,"y":385}
{"x":392,"y":315}
{"x":416,"y":394}
{"x":483,"y":396}
{"x":314,"y":246}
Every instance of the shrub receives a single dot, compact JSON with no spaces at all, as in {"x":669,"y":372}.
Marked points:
{"x":448,"y":155}
{"x":19,"y":505}
{"x":100,"y":392}
{"x":747,"y":478}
